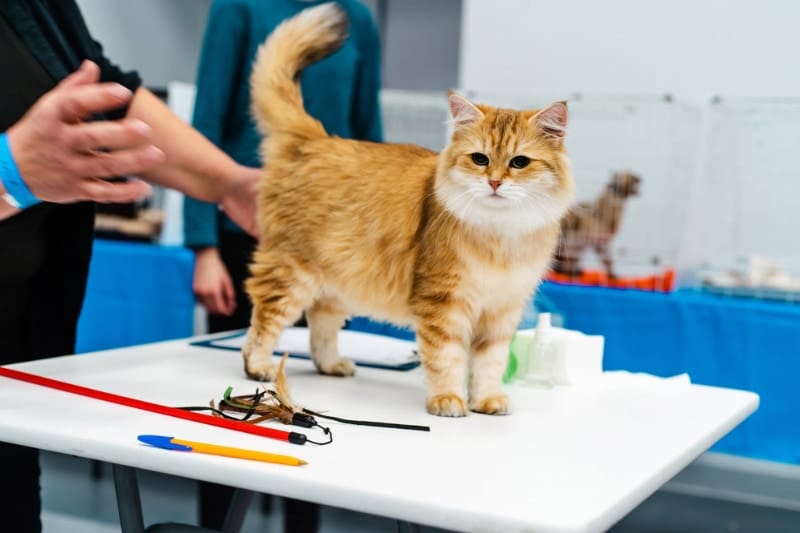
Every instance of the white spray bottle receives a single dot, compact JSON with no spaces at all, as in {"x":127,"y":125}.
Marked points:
{"x":541,"y":356}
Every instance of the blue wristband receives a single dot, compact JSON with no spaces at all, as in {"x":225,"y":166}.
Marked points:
{"x":17,"y":193}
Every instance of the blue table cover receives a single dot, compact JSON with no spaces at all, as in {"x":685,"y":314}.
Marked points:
{"x":137,"y":293}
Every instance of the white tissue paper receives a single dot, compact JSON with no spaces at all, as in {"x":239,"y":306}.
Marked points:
{"x":579,"y":358}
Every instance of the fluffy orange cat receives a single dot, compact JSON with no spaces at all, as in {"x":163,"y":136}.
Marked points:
{"x":452,"y":244}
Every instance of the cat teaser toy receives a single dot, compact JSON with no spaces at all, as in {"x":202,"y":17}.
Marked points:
{"x":276,"y":403}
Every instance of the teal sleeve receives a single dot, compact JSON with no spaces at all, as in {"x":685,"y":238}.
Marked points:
{"x":220,"y":57}
{"x":199,"y":223}
{"x":367,"y":123}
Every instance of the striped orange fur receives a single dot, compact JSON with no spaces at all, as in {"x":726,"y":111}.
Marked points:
{"x":443,"y":243}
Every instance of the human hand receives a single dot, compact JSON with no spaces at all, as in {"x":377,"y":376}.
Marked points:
{"x":239,"y":199}
{"x":212,"y":284}
{"x":7,"y":210}
{"x":63,"y":159}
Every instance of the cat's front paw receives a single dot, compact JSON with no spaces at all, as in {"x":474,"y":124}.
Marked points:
{"x":340,"y":367}
{"x":493,"y":405}
{"x":447,"y":405}
{"x":257,"y":362}
{"x":261,"y":371}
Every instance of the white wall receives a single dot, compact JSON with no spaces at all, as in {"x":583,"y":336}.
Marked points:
{"x":421,"y":44}
{"x":691,"y":48}
{"x":159,"y":38}
{"x":736,"y":199}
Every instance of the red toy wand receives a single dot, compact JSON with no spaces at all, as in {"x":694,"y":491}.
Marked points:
{"x":288,"y":436}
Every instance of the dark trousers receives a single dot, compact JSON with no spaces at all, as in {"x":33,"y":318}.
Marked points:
{"x":299,"y":516}
{"x":44,"y":262}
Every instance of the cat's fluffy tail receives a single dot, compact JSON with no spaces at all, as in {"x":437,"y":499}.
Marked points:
{"x":274,"y":83}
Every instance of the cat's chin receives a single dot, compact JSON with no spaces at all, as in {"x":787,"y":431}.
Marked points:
{"x":505,"y":217}
{"x":496,"y":201}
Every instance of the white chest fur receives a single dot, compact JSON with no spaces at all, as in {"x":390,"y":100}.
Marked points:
{"x":492,"y":288}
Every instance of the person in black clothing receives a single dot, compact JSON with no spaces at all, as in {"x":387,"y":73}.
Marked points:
{"x":70,"y":117}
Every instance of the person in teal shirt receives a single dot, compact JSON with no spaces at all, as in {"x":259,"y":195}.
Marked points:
{"x":342,"y":91}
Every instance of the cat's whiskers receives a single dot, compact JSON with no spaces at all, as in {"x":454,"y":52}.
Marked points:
{"x":463,"y":213}
{"x":445,"y":210}
{"x":514,"y":193}
{"x":453,"y":222}
{"x":428,"y":196}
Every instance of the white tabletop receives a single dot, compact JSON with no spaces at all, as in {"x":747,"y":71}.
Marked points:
{"x":567,"y":459}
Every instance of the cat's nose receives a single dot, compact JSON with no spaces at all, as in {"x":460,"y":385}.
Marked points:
{"x":494,"y":184}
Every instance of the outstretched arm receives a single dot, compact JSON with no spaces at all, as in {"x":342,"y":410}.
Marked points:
{"x":61,"y":158}
{"x":193,"y":165}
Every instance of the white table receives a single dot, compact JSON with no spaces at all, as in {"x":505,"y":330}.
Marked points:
{"x":567,"y":459}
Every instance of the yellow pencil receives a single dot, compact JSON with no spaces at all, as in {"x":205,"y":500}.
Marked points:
{"x":214,"y":449}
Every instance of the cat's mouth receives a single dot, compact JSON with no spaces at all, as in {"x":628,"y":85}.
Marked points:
{"x":495,"y":199}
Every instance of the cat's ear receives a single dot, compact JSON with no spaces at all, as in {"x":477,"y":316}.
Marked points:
{"x":462,"y":110}
{"x":552,"y":120}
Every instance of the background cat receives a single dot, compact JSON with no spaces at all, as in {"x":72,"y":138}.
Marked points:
{"x":594,"y":224}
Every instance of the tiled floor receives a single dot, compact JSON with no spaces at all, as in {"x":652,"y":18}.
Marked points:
{"x":75,"y":503}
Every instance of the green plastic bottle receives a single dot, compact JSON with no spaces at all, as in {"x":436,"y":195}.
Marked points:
{"x":517,"y":367}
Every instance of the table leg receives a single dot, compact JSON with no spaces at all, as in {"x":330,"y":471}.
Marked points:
{"x":128,"y":502}
{"x":97,"y":470}
{"x":408,"y":527}
{"x":237,"y":510}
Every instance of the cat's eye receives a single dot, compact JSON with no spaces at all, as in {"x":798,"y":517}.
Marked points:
{"x":520,"y":161}
{"x":480,"y":159}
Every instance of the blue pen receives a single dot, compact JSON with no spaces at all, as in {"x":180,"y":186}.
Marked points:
{"x":171,"y":443}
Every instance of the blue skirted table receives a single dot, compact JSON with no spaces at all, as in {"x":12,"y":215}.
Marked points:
{"x":140,"y":293}
{"x":137,"y":293}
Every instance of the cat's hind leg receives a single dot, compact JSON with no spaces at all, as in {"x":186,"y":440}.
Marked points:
{"x":601,"y":249}
{"x":279,"y":289}
{"x":326,"y":316}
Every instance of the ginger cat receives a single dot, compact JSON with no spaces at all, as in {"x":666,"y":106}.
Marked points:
{"x":452,"y":244}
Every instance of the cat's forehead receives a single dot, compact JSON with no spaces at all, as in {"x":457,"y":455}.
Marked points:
{"x":506,"y":129}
